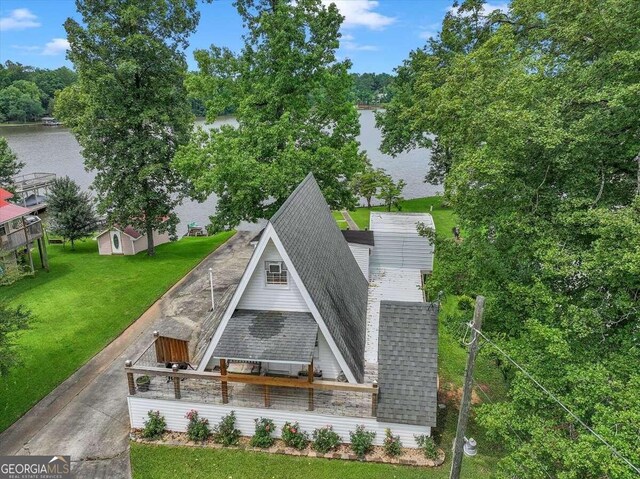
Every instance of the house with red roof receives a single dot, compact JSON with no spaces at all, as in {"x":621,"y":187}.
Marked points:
{"x":20,"y":232}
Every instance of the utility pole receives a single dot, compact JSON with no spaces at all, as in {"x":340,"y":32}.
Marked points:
{"x":465,"y":405}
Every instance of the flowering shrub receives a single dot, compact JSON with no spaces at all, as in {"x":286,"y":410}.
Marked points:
{"x":392,"y":444}
{"x":225,"y":431}
{"x":293,"y":436}
{"x":428,"y":446}
{"x":325,"y":439}
{"x":154,"y":426}
{"x":198,"y":429}
{"x":361,"y":440}
{"x":263,"y":437}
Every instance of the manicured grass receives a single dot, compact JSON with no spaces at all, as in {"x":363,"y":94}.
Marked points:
{"x":442,"y":216}
{"x":162,"y":462}
{"x":342,"y":223}
{"x":83,"y":303}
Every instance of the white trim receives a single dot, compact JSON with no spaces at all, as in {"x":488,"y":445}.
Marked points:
{"x":269,"y":233}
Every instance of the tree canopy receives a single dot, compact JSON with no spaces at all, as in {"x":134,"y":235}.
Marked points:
{"x":20,"y":101}
{"x":294,"y":113}
{"x":129,"y":109}
{"x":9,"y":165}
{"x":12,"y":321}
{"x":535,"y":114}
{"x":71,"y":212}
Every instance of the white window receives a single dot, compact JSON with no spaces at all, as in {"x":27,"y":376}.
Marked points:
{"x":276,"y":272}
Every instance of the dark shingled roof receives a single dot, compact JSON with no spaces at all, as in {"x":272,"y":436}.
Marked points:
{"x":327,"y":268}
{"x":359,"y":237}
{"x":408,"y":363}
{"x":269,"y":336}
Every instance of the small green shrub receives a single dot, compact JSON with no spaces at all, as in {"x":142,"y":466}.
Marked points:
{"x":392,"y":444}
{"x":263,"y":437}
{"x":325,"y":439}
{"x":225,"y":431}
{"x":198,"y":429}
{"x":428,"y":446}
{"x":154,"y":426}
{"x":361,"y":441}
{"x":292,"y":436}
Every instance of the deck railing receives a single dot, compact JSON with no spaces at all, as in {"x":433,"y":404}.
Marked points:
{"x":249,"y":390}
{"x":31,"y":181}
{"x":22,"y":236}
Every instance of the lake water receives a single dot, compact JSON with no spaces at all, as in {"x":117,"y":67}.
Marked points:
{"x":55,"y":150}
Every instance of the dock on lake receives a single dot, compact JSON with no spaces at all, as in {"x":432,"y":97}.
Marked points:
{"x":32,"y":190}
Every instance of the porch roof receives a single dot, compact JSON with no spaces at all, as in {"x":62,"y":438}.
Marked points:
{"x":273,"y":336}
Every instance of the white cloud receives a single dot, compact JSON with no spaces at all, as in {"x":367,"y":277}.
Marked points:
{"x":19,"y":19}
{"x":359,"y":13}
{"x":27,"y":48}
{"x":56,"y":46}
{"x":348,"y":42}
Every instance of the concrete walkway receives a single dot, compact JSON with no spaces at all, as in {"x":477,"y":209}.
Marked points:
{"x":347,"y":217}
{"x":86,"y":417}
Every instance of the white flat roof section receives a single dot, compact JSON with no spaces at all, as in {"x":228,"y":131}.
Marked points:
{"x":397,"y":242}
{"x":398,"y":222}
{"x":392,"y":284}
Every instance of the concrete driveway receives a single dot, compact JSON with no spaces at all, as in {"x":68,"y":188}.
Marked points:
{"x":86,"y":417}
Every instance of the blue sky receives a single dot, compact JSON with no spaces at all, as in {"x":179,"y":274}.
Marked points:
{"x":377,"y":35}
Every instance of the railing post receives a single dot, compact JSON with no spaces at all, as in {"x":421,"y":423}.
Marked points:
{"x":267,"y":397}
{"x":223,"y":383}
{"x":310,"y":379}
{"x":374,"y":399}
{"x":176,"y":381}
{"x":130,"y":382}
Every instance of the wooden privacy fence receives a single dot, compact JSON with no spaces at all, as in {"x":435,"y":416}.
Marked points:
{"x":171,"y":350}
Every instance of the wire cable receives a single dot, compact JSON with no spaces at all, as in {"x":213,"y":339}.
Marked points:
{"x":553,"y":396}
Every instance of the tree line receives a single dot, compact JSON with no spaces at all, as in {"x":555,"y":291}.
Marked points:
{"x":27,"y":93}
{"x":531,"y":115}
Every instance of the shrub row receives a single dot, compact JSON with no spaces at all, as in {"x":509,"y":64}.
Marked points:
{"x":324,"y":439}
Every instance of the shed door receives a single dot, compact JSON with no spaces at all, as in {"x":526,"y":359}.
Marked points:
{"x":116,"y":242}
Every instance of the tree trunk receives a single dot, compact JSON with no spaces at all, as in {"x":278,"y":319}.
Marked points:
{"x":73,"y":248}
{"x":151,"y":251}
{"x":369,"y":202}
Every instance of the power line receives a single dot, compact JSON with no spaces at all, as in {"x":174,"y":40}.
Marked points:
{"x":553,"y":396}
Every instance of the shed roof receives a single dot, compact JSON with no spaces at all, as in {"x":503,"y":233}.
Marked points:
{"x":398,"y":222}
{"x":327,"y":268}
{"x":282,"y":336}
{"x":408,"y":362}
{"x":358,"y":237}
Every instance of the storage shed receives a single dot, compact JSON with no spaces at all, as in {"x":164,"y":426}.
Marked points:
{"x":398,"y":244}
{"x":127,"y":241}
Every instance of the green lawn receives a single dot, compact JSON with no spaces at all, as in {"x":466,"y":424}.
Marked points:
{"x":82,"y":304}
{"x":162,"y":462}
{"x":169,"y":462}
{"x":443,"y":217}
{"x":342,"y":223}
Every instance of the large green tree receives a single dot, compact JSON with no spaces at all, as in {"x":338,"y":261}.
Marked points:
{"x":294,"y":110}
{"x":538,"y":114}
{"x":129,"y":109}
{"x":70,"y":210}
{"x":21,"y":101}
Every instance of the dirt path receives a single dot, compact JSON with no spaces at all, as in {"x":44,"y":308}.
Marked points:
{"x":86,"y":417}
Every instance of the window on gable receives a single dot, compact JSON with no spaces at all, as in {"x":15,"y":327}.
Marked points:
{"x":276,"y":272}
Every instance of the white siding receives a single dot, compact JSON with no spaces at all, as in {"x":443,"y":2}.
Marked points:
{"x":361,"y":254}
{"x":174,"y":413}
{"x":326,"y":361}
{"x":260,"y":296}
{"x":397,"y":243}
